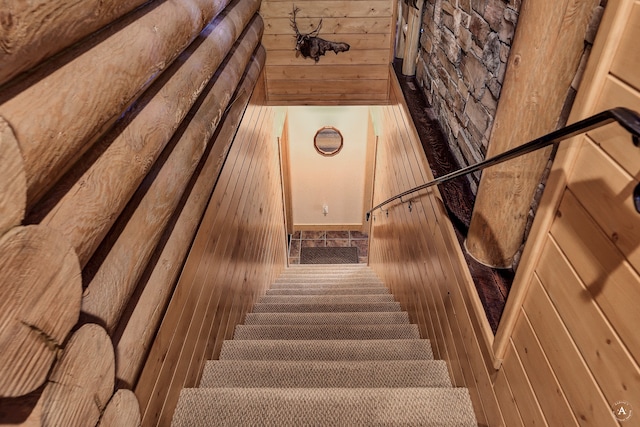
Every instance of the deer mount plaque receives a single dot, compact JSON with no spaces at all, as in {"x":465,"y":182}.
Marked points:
{"x":312,"y":46}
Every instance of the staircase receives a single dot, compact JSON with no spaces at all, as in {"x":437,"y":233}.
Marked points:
{"x":327,"y":345}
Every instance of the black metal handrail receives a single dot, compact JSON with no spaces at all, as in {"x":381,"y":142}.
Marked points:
{"x":628,"y":119}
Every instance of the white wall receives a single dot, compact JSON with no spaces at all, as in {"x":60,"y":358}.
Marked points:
{"x":336,"y":181}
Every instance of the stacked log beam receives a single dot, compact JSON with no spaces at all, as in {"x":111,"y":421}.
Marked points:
{"x":122,"y":410}
{"x":13,"y":192}
{"x":113,"y":283}
{"x":36,"y":30}
{"x":112,"y":133}
{"x":81,"y":383}
{"x":89,"y":208}
{"x":40,"y":291}
{"x":102,"y":77}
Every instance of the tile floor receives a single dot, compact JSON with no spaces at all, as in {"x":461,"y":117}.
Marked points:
{"x":328,"y":239}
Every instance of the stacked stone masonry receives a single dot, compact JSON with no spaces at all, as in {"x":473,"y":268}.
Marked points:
{"x":462,"y":62}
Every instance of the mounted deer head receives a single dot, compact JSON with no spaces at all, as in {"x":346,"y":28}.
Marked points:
{"x":312,"y":46}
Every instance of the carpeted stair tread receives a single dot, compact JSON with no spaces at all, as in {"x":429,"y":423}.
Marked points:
{"x":326,"y":284}
{"x":326,"y":308}
{"x":338,"y":318}
{"x":327,"y":345}
{"x":291,"y":374}
{"x":324,"y":299}
{"x":326,"y":350}
{"x":326,"y":332}
{"x":329,"y":277}
{"x":312,"y":278}
{"x":328,"y":269}
{"x":329,"y":291}
{"x":324,"y":406}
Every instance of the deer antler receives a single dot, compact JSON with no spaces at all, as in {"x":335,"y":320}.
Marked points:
{"x":315,"y":32}
{"x":294,"y":25}
{"x":293,"y":20}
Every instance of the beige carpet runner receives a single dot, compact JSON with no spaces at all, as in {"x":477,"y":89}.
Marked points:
{"x":327,"y":346}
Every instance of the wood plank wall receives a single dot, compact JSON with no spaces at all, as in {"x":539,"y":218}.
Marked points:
{"x":570,"y":351}
{"x":239,"y":250}
{"x":354,"y":77}
{"x":580,"y":282}
{"x":109,"y":152}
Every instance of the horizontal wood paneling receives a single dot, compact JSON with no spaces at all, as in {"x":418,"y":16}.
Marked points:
{"x":366,"y":57}
{"x":356,"y":41}
{"x":296,"y":87}
{"x":368,"y":28}
{"x":333,"y":26}
{"x":329,"y":9}
{"x":328,"y":99}
{"x":338,"y":72}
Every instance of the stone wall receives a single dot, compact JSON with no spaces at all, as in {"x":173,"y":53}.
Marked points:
{"x":462,"y":62}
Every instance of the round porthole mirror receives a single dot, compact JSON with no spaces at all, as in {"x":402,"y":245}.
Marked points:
{"x":328,"y":141}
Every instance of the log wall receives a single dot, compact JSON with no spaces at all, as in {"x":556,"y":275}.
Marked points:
{"x":113,"y":136}
{"x":358,"y":76}
{"x":565,"y":352}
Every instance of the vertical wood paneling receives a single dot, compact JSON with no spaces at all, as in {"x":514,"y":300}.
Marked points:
{"x":409,"y":251}
{"x":586,"y":400}
{"x":544,"y":383}
{"x":240,"y":248}
{"x":564,"y":361}
{"x":609,"y":362}
{"x":569,"y":349}
{"x":582,"y":265}
{"x":518,"y":382}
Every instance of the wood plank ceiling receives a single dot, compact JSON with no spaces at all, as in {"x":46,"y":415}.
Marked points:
{"x":358,"y":76}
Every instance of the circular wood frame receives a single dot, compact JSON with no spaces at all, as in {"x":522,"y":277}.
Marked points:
{"x":323,"y":139}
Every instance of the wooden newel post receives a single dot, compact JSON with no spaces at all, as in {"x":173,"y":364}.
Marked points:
{"x":530,"y":104}
{"x":414,"y":22}
{"x":501,"y":209}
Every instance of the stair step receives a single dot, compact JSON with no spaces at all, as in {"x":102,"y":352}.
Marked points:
{"x":326,"y":332}
{"x":325,"y":308}
{"x":291,"y":374}
{"x":328,"y":269}
{"x":326,"y":284}
{"x":333,"y":274}
{"x":324,"y":299}
{"x":326,"y":350}
{"x":324,"y":406}
{"x":328,"y":277}
{"x":329,"y":291}
{"x":361,"y":318}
